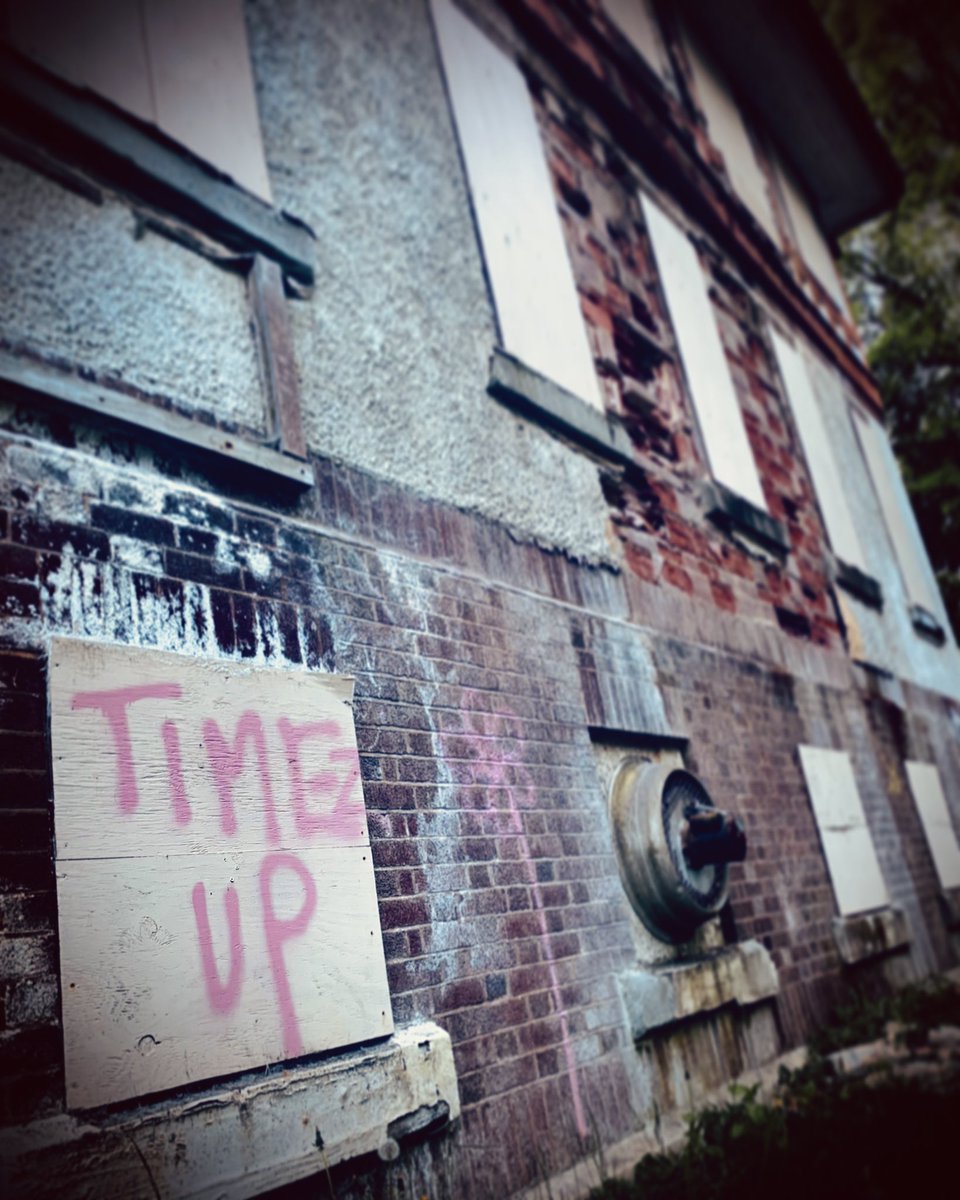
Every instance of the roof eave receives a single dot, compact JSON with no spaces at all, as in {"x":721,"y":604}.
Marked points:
{"x":786,"y":72}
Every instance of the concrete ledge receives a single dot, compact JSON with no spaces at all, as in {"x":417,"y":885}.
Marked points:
{"x":74,"y":125}
{"x":657,"y":996}
{"x":726,"y":509}
{"x":545,"y":401}
{"x":858,"y":583}
{"x":870,"y":935}
{"x":244,"y":1140}
{"x":204,"y":440}
{"x":927,"y":625}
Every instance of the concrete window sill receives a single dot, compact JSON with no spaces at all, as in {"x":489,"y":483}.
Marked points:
{"x":733,"y":512}
{"x":654,"y":997}
{"x":870,"y":935}
{"x":214,"y":446}
{"x":858,"y":583}
{"x":535,"y":396}
{"x":927,"y":625}
{"x":242,"y":1140}
{"x":79,"y":130}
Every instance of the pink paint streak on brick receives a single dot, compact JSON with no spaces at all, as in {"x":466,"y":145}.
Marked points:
{"x":504,"y":775}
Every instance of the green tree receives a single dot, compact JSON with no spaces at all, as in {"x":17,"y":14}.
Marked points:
{"x":903,"y":270}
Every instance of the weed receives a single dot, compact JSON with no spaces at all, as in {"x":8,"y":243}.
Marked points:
{"x":863,"y":1018}
{"x":822,"y":1134}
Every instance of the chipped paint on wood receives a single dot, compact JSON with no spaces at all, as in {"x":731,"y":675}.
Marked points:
{"x":242,"y":1141}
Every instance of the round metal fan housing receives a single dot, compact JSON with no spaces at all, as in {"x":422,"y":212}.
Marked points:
{"x":674,"y":847}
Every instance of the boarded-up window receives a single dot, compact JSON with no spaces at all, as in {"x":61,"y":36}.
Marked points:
{"x":639,"y":26}
{"x":536,"y":301}
{"x":827,"y":479}
{"x":932,"y":806}
{"x":704,"y":360}
{"x":215,"y":887}
{"x":898,"y":514}
{"x":182,"y":65}
{"x":847,"y":845}
{"x":813,"y":246}
{"x":729,"y":134}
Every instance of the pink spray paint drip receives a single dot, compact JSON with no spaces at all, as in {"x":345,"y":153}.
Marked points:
{"x":547,"y":948}
{"x":506,"y":781}
{"x":222,"y":997}
{"x":278,"y":930}
{"x":178,"y":787}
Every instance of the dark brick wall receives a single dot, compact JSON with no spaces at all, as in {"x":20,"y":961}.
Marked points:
{"x":501,"y":907}
{"x":484,"y":664}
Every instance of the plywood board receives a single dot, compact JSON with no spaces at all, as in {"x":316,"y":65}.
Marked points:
{"x":203,"y":84}
{"x":538,"y":309}
{"x":638,"y":24}
{"x":847,"y":844}
{"x":216,"y":894}
{"x":827,"y":480}
{"x":98,"y":44}
{"x":704,"y":361}
{"x":898,"y":515}
{"x":728,"y":132}
{"x":182,"y":65}
{"x":935,"y":817}
{"x":810,"y":240}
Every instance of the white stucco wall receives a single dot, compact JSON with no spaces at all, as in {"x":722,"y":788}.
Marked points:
{"x":79,"y":284}
{"x":393,"y":349}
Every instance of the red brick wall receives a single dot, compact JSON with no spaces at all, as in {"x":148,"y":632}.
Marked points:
{"x":664,"y":535}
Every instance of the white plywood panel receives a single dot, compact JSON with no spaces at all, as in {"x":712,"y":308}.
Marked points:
{"x":98,"y":44}
{"x":827,"y":479}
{"x":704,"y":360}
{"x":847,"y":845}
{"x":159,"y":753}
{"x":275,"y":964}
{"x":727,"y":130}
{"x":217,"y":901}
{"x":203,"y":83}
{"x":898,"y":514}
{"x":638,"y":25}
{"x":538,"y":309}
{"x":935,"y":817}
{"x":811,"y":243}
{"x":854,"y":871}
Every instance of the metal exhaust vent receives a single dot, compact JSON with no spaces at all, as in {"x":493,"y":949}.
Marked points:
{"x":673,"y":845}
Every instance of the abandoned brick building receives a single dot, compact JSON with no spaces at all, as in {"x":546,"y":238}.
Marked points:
{"x":471,"y":684}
